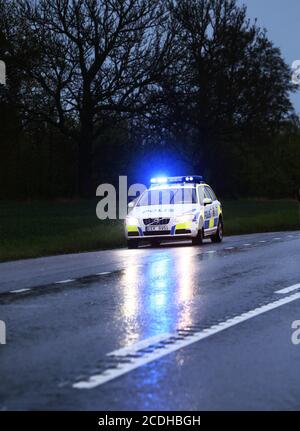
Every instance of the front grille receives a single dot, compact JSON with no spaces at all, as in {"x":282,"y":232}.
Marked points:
{"x":158,"y":232}
{"x":156,"y":221}
{"x":182,"y":231}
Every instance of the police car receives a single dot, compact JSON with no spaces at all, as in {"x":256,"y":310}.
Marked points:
{"x":175,"y":208}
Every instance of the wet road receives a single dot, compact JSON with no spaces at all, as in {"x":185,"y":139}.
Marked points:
{"x":168,"y":328}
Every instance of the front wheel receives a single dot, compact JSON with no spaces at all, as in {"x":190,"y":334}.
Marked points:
{"x":218,"y":236}
{"x":199,"y":238}
{"x":132,"y":243}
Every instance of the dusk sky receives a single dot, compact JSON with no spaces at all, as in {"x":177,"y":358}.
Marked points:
{"x":281,"y":19}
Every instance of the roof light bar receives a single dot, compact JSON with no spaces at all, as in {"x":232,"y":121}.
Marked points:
{"x":176,"y":180}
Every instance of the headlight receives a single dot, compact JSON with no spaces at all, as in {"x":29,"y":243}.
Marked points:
{"x":131,"y":221}
{"x":184,"y":218}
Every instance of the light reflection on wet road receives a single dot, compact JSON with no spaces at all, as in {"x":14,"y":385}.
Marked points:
{"x":162,"y":289}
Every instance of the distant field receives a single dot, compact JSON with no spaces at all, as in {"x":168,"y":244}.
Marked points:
{"x":44,"y":228}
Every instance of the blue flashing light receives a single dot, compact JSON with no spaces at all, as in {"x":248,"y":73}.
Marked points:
{"x":162,"y":180}
{"x":159,"y":180}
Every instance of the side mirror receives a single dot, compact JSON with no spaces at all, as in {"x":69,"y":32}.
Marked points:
{"x":207,"y":201}
{"x":131,"y":204}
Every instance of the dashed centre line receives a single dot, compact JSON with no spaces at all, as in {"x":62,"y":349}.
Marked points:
{"x":68,"y":280}
{"x":19,"y":290}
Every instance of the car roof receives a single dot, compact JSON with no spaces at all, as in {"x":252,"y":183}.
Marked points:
{"x":176,"y":186}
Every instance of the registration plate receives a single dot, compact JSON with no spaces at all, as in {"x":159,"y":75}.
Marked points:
{"x":156,"y":228}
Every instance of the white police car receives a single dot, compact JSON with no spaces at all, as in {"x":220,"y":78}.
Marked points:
{"x":175,"y":208}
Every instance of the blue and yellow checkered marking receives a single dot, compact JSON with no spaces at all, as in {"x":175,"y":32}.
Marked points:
{"x":210,"y":223}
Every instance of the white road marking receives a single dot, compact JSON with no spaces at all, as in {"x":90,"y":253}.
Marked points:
{"x":69,"y":280}
{"x":103,"y":273}
{"x":210,"y":251}
{"x":276,"y":239}
{"x":262,"y":240}
{"x":289,"y":289}
{"x":113,"y":373}
{"x":246,"y":245}
{"x":19,"y":290}
{"x":229,"y":248}
{"x":140,"y":345}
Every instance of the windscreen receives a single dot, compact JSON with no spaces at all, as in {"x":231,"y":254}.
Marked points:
{"x":171,"y":196}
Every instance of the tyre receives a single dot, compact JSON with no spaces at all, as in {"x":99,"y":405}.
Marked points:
{"x":155,"y":243}
{"x":199,"y":238}
{"x":218,"y":236}
{"x":132,"y":243}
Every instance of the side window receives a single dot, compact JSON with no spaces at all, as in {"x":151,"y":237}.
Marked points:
{"x":207,"y":193}
{"x":201,"y":194}
{"x":213,"y":196}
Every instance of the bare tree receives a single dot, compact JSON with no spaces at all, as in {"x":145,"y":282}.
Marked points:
{"x":91,"y":59}
{"x":231,"y":92}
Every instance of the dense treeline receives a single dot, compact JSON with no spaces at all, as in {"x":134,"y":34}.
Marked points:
{"x":94,"y":87}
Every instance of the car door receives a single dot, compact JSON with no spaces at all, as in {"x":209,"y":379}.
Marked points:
{"x":214,"y":208}
{"x":208,"y":210}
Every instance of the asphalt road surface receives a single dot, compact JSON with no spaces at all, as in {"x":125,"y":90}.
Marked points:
{"x":167,"y":328}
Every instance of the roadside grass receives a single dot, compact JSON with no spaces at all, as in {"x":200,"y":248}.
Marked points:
{"x":44,"y":228}
{"x":250,"y":216}
{"x":32,"y":229}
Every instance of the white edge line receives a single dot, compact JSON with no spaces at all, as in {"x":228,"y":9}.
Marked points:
{"x":288,"y":289}
{"x":140,"y":345}
{"x":103,"y":273}
{"x":111,"y":374}
{"x":19,"y":290}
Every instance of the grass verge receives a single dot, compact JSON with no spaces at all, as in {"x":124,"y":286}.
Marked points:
{"x":44,"y":228}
